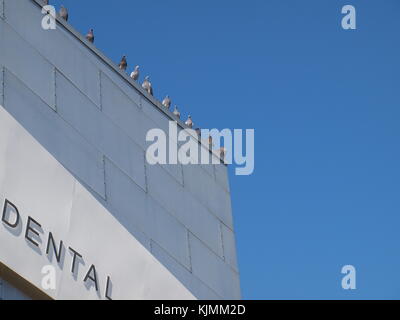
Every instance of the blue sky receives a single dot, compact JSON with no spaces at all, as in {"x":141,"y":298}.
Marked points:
{"x":325,"y":106}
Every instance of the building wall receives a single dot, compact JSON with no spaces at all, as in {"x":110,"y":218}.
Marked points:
{"x":93,"y":119}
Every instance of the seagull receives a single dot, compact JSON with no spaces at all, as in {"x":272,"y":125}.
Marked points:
{"x":147,"y":85}
{"x":63,"y":13}
{"x":123,"y":64}
{"x":177,"y":113}
{"x":189,"y":122}
{"x":167,"y":102}
{"x":90,"y":36}
{"x":135,"y":74}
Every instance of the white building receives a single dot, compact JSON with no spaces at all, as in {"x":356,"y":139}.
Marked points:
{"x":76,"y":193}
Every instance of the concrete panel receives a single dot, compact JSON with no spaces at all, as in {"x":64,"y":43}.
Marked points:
{"x":180,"y":203}
{"x":209,"y":168}
{"x":168,"y":192}
{"x":136,"y":211}
{"x":117,"y":80}
{"x":168,"y":233}
{"x":64,"y":143}
{"x":213,"y":196}
{"x":134,"y":229}
{"x":229,"y":244}
{"x":221,"y":175}
{"x":175,"y":170}
{"x":195,"y":285}
{"x":213,"y":271}
{"x":28,"y":65}
{"x":2,"y":23}
{"x":82,"y":114}
{"x":161,"y":121}
{"x":58,"y":46}
{"x":126,"y":200}
{"x":1,"y":84}
{"x":155,"y":115}
{"x":201,"y":223}
{"x":124,"y":112}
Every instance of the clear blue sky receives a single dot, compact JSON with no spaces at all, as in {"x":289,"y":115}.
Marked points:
{"x":325,"y":105}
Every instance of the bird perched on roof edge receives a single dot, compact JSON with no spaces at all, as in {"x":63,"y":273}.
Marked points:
{"x":63,"y":13}
{"x":123,"y":64}
{"x":167,"y":102}
{"x":135,"y":74}
{"x":90,"y":36}
{"x":189,"y":122}
{"x":146,"y":85}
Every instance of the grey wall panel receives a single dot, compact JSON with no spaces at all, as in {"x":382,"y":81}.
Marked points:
{"x":213,"y":196}
{"x":83,"y":115}
{"x":58,"y":46}
{"x":168,"y":232}
{"x":135,"y":209}
{"x":184,"y":207}
{"x":1,"y":84}
{"x":110,"y":75}
{"x":175,"y":170}
{"x":53,"y":133}
{"x":221,"y":175}
{"x":201,"y":222}
{"x":212,"y":270}
{"x":229,"y":244}
{"x":124,"y":112}
{"x":2,"y":24}
{"x":162,"y":122}
{"x":164,"y":188}
{"x":209,"y":168}
{"x":156,"y":115}
{"x":199,"y":289}
{"x":28,"y":65}
{"x":126,"y":199}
